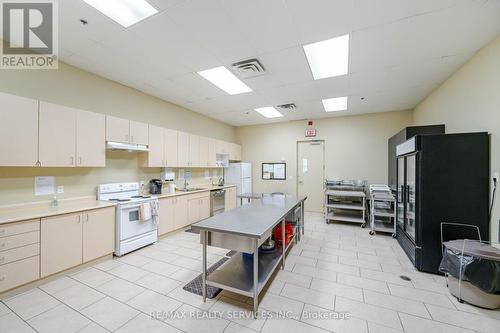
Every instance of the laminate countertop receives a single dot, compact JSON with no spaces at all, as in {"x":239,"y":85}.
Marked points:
{"x":29,"y":211}
{"x":204,"y":189}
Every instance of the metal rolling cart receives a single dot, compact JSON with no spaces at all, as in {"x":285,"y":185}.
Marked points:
{"x":345,"y":201}
{"x":382,"y":210}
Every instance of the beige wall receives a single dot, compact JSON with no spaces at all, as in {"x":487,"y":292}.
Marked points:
{"x":355,"y":147}
{"x":470,"y":101}
{"x":77,"y":88}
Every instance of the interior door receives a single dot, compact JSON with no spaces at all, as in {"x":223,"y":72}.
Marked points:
{"x":311,"y":174}
{"x":410,"y":195}
{"x":401,"y":193}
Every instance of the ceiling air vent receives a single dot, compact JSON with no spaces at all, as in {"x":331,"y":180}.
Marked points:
{"x":288,"y":107}
{"x":248,"y":68}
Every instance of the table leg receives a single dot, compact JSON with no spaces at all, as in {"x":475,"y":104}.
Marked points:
{"x":241,"y":201}
{"x":302,"y":222}
{"x":256,"y":278}
{"x":204,"y":273}
{"x":283,"y":242}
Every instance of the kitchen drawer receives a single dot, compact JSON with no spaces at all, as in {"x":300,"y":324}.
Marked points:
{"x":19,"y":272}
{"x":7,"y":243}
{"x":19,"y":253}
{"x":11,"y":229}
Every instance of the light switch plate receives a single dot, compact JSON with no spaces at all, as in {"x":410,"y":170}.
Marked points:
{"x":60,"y":189}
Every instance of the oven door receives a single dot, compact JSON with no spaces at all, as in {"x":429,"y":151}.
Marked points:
{"x":130,"y":224}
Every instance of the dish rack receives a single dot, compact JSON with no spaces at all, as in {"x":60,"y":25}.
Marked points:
{"x":345,"y":201}
{"x":382,"y":210}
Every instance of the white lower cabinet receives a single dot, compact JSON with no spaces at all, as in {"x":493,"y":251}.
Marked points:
{"x":19,"y":253}
{"x":198,"y":208}
{"x":230,"y":198}
{"x":71,"y":239}
{"x":182,"y":210}
{"x":167,"y":215}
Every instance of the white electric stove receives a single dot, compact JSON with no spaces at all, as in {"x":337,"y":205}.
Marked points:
{"x":132,"y":229}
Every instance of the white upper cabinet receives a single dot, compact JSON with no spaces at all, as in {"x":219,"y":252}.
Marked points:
{"x":212,"y":152}
{"x":117,"y":129}
{"x":203,"y":148}
{"x":138,"y":133}
{"x":234,"y":152}
{"x":57,"y":135}
{"x":183,"y":149}
{"x":18,"y":131}
{"x":90,"y":139}
{"x":156,"y":155}
{"x":194,"y":150}
{"x":171,"y":148}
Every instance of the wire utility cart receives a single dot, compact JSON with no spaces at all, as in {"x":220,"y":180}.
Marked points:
{"x":345,"y":206}
{"x":382,"y":210}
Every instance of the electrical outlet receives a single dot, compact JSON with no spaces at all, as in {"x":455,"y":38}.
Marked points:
{"x":60,"y":189}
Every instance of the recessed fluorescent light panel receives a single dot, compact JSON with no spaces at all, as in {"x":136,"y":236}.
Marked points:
{"x":328,"y":58}
{"x":225,"y":80}
{"x":269,"y":112}
{"x":335,"y":104}
{"x":125,"y":12}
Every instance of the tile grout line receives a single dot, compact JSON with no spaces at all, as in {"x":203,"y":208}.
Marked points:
{"x":25,"y":321}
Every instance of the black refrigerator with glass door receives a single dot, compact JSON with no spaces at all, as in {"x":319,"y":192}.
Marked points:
{"x":441,"y":178}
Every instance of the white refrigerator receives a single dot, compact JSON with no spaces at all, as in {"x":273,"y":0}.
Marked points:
{"x":241,"y":175}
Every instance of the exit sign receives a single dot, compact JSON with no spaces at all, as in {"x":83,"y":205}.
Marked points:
{"x":310,"y":132}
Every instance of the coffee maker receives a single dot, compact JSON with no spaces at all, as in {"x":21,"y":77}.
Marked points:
{"x":155,"y":186}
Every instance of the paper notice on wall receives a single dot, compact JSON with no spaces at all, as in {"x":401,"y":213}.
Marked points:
{"x":44,"y":185}
{"x":304,"y":165}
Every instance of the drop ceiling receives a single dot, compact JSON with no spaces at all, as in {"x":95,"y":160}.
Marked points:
{"x":400,"y":50}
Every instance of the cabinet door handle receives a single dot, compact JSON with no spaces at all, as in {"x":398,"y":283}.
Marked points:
{"x":72,"y":160}
{"x":126,"y":137}
{"x":131,"y":138}
{"x":87,"y":217}
{"x":80,"y":160}
{"x":79,"y":219}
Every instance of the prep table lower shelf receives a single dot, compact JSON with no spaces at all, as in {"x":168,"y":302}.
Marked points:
{"x":236,"y":274}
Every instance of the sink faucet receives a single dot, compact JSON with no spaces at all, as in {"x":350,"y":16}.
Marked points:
{"x":185,"y":184}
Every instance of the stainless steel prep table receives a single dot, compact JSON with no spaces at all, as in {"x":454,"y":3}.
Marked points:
{"x":244,"y":229}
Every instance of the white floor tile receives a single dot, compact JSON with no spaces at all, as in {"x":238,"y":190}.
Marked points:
{"x":356,"y":281}
{"x":396,"y":303}
{"x":31,"y":303}
{"x":160,"y":267}
{"x":236,"y":328}
{"x":189,"y":324}
{"x":367,"y":312}
{"x":93,"y":328}
{"x":150,"y":302}
{"x":79,"y":296}
{"x":11,"y":323}
{"x":144,"y":324}
{"x":360,"y":263}
{"x":128,"y":272}
{"x":305,"y":295}
{"x":108,"y":265}
{"x":183,"y":274}
{"x":384,"y":277}
{"x":339,"y":268}
{"x":320,"y":256}
{"x":229,"y":307}
{"x":191,"y":299}
{"x":424,"y":296}
{"x":332,"y":321}
{"x":134,"y":260}
{"x":294,"y":278}
{"x":376,"y":328}
{"x":315,"y":272}
{"x":57,"y":285}
{"x":464,"y":319}
{"x":414,"y":324}
{"x":281,"y":305}
{"x":158,"y":283}
{"x":289,"y":326}
{"x":337,"y":289}
{"x":4,"y":309}
{"x":120,"y":290}
{"x":92,"y":277}
{"x":109,"y":313}
{"x":59,"y":319}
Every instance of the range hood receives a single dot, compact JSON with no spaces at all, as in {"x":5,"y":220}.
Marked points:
{"x":131,"y":147}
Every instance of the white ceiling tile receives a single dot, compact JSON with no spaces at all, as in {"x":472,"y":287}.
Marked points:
{"x":318,"y":20}
{"x":212,"y":28}
{"x":161,"y":5}
{"x":266,"y":23}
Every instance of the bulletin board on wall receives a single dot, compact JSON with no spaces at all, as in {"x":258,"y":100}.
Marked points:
{"x":274,"y":171}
